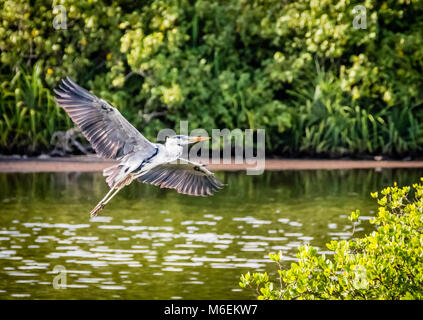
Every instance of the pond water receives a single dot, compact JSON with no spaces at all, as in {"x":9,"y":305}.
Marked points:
{"x":156,"y":244}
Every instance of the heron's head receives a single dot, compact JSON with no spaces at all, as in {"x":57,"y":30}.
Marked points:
{"x":182,"y":140}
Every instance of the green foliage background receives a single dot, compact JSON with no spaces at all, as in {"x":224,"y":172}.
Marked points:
{"x":296,"y":68}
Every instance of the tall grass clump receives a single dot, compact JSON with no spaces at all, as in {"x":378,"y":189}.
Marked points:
{"x":28,"y":113}
{"x":329,"y":121}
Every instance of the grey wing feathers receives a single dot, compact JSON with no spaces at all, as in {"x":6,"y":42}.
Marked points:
{"x":187,"y":178}
{"x":109,"y":133}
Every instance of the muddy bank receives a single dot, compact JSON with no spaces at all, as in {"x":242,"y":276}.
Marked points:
{"x":92,"y":164}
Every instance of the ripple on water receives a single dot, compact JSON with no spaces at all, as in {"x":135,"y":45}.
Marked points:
{"x":189,"y":222}
{"x":20,"y":295}
{"x":183,"y":264}
{"x":252,"y":220}
{"x":172,"y":269}
{"x":132,"y":221}
{"x":90,"y":280}
{"x":76,"y":286}
{"x":21,"y":274}
{"x":55,"y":225}
{"x":92,"y":263}
{"x":102,"y":219}
{"x":176,"y":258}
{"x":74,"y":253}
{"x":32,"y":267}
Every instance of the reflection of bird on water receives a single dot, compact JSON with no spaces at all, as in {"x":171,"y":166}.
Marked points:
{"x":113,"y":137}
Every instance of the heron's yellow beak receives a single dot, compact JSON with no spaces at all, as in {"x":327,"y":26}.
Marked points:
{"x":197,"y":139}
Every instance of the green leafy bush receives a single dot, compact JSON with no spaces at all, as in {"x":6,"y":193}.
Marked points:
{"x":299,"y":69}
{"x":387,"y":264}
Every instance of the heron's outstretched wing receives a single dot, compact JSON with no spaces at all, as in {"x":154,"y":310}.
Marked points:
{"x":109,"y":133}
{"x":185,"y":176}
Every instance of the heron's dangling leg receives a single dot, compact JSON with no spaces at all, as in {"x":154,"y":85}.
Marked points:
{"x":108,"y":193}
{"x":116,"y":188}
{"x":100,"y":205}
{"x":114,"y":193}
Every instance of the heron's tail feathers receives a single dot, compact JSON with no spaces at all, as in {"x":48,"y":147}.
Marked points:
{"x":113,"y":174}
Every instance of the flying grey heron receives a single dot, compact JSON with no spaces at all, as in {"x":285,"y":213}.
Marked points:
{"x":113,"y":137}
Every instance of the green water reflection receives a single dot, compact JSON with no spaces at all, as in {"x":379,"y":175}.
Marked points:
{"x":157,"y":244}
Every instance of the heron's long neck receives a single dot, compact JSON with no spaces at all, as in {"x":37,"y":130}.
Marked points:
{"x":173,"y":148}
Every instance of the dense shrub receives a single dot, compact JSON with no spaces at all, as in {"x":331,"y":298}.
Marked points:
{"x":387,"y":264}
{"x":299,"y":69}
